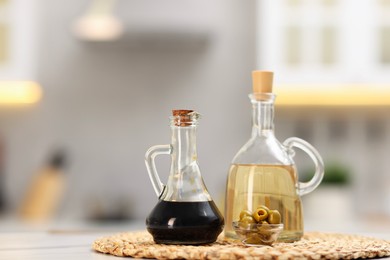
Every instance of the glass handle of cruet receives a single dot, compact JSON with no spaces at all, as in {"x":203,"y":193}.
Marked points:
{"x":151,"y":166}
{"x":307,"y":187}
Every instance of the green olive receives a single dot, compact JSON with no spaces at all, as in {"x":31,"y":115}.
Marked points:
{"x":245,"y":213}
{"x":261,"y":213}
{"x":253,"y":240}
{"x":274,"y":217}
{"x":264,"y":228}
{"x":247,"y":220}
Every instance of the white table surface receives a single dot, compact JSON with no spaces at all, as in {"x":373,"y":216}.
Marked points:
{"x":57,"y":240}
{"x":73,"y":241}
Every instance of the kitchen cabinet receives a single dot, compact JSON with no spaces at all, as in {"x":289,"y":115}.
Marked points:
{"x":325,"y":42}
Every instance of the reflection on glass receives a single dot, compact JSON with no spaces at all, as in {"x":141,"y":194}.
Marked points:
{"x":385,"y":45}
{"x":328,"y":47}
{"x":3,"y":43}
{"x":293,"y":45}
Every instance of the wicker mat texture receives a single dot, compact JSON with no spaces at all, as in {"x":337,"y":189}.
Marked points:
{"x":311,"y":246}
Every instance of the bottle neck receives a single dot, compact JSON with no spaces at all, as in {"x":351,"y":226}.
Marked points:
{"x":262,"y":114}
{"x":183,"y":146}
{"x":185,"y":182}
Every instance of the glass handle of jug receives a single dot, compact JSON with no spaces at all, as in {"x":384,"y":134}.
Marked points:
{"x":307,"y":187}
{"x":151,"y":166}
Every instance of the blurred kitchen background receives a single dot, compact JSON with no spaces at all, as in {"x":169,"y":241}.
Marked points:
{"x":88,"y":86}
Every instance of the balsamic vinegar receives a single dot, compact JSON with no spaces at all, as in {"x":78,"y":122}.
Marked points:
{"x":185,"y":222}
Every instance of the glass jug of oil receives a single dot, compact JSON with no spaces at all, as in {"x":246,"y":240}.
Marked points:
{"x":185,"y":212}
{"x":263,"y":171}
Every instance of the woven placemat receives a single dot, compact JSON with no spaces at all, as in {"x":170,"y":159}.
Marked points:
{"x":311,"y":246}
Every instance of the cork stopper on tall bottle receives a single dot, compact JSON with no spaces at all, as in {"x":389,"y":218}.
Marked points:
{"x":262,"y":81}
{"x":183,"y":117}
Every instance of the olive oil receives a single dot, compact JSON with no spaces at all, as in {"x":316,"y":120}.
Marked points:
{"x":251,"y":185}
{"x":263,"y":171}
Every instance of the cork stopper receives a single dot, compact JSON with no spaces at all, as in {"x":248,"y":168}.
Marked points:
{"x":262,"y":81}
{"x":183,"y":117}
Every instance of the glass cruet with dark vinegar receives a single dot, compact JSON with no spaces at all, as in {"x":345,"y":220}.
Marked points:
{"x":185,"y":212}
{"x":263,"y":171}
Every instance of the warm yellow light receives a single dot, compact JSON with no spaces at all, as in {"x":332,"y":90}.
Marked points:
{"x":333,"y":95}
{"x":19,"y":92}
